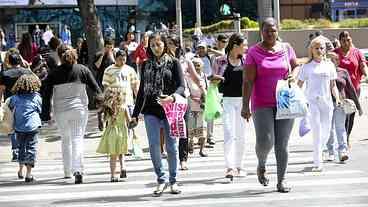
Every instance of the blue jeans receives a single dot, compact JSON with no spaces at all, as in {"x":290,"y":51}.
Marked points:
{"x":338,"y":129}
{"x":153,"y":125}
{"x":27,"y":147}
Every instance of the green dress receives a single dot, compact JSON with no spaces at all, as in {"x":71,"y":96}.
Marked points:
{"x":114,"y":140}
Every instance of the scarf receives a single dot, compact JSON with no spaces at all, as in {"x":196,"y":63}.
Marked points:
{"x":154,"y":75}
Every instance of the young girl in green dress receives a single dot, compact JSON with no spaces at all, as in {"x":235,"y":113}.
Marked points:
{"x":115,"y":136}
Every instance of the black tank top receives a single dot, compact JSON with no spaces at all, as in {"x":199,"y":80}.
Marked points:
{"x":233,"y":83}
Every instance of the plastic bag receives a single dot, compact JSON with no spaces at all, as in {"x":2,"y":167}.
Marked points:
{"x":7,"y":118}
{"x":212,"y":107}
{"x":291,"y":102}
{"x":137,"y":150}
{"x":304,"y":127}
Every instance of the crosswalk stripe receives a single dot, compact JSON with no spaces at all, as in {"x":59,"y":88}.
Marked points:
{"x":217,"y":167}
{"x":200,"y":188}
{"x":98,"y":166}
{"x":145,"y":181}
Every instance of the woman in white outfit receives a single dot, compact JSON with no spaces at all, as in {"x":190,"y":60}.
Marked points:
{"x":66,"y":85}
{"x":230,"y":66}
{"x":320,"y":75}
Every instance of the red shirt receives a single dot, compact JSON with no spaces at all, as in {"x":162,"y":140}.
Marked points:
{"x":140,"y":53}
{"x":351,"y":63}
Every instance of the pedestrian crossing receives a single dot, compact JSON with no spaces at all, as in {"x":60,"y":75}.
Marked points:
{"x":202,"y":185}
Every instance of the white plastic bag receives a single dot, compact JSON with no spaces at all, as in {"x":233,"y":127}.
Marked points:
{"x":291,"y":102}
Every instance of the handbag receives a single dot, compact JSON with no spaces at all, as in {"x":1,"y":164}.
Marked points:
{"x":290,"y":99}
{"x":6,"y":118}
{"x":348,"y":106}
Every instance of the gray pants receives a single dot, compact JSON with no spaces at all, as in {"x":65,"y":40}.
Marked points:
{"x":269,"y":132}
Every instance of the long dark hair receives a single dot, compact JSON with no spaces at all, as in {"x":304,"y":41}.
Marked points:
{"x":25,"y":46}
{"x":179,"y":52}
{"x":162,"y":38}
{"x":235,"y":39}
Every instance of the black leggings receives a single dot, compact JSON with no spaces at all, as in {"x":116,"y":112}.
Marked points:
{"x":349,"y":123}
{"x":184,"y":143}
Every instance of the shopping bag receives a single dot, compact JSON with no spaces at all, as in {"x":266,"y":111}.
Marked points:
{"x":348,"y":106}
{"x":291,"y":102}
{"x":175,"y":116}
{"x":6,"y":118}
{"x":212,"y":107}
{"x":137,"y":150}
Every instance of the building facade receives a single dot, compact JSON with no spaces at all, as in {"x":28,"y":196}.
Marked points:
{"x":344,"y":9}
{"x":18,"y":17}
{"x":301,"y":9}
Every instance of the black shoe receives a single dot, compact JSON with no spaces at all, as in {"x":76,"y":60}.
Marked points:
{"x":202,"y":154}
{"x":123,"y":174}
{"x":211,"y":141}
{"x":14,"y":156}
{"x":78,"y":178}
{"x":114,"y":180}
{"x":262,"y":178}
{"x":20,"y":176}
{"x":29,"y":179}
{"x":283,"y":187}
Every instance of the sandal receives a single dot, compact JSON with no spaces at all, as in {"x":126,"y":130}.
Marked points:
{"x":174,"y":189}
{"x":161,"y":187}
{"x":262,"y":178}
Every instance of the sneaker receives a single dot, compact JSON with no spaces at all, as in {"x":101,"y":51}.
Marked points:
{"x":211,"y":141}
{"x":316,"y":169}
{"x":331,"y":157}
{"x":343,"y":156}
{"x":160,"y":189}
{"x":163,"y":155}
{"x":174,"y":189}
{"x":29,"y":179}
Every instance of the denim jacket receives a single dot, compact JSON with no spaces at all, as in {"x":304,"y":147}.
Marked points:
{"x":27,"y":109}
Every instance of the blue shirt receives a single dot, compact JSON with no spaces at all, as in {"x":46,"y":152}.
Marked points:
{"x":27,"y":109}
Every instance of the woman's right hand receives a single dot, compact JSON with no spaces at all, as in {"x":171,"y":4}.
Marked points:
{"x":245,"y":113}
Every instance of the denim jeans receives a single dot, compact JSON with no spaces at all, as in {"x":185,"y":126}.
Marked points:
{"x":338,"y":130}
{"x":27,"y":147}
{"x":153,"y":125}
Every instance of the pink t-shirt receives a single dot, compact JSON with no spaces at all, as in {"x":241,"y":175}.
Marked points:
{"x":271,"y":67}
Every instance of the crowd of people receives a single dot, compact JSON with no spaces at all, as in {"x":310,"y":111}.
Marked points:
{"x":136,"y":81}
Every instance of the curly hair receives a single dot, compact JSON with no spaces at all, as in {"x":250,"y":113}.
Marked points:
{"x":113,"y":99}
{"x":27,"y":83}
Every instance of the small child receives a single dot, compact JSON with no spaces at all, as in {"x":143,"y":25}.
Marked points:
{"x":26,"y":105}
{"x":196,"y":127}
{"x":114,"y":141}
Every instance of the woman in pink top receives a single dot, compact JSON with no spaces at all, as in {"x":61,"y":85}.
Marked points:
{"x":266,"y":63}
{"x":351,"y":59}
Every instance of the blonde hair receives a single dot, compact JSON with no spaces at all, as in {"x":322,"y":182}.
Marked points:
{"x":112,"y":103}
{"x":27,"y":83}
{"x":198,"y":61}
{"x":314,"y":42}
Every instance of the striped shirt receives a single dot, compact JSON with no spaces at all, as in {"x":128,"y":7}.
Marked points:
{"x":125,"y":77}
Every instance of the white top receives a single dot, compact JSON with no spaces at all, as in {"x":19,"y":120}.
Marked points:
{"x":318,"y":77}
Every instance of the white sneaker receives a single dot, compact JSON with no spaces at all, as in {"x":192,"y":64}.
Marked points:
{"x":174,"y":189}
{"x":331,"y":157}
{"x":317,"y":169}
{"x":160,"y":189}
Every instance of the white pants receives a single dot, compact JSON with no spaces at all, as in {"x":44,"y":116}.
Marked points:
{"x":72,"y":125}
{"x":320,"y":120}
{"x":234,"y":132}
